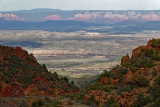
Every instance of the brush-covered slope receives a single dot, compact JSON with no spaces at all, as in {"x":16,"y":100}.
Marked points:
{"x":22,"y":75}
{"x":135,"y":83}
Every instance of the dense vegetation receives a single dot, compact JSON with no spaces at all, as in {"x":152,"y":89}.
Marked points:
{"x":21,"y":72}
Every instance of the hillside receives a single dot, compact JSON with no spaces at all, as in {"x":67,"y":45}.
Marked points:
{"x":134,"y":83}
{"x":21,"y":75}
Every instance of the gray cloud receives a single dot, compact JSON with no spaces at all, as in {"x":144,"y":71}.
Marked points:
{"x":81,"y":4}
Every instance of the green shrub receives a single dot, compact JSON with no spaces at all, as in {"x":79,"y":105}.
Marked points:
{"x":154,"y":72}
{"x":55,"y":74}
{"x":118,"y":92}
{"x":65,"y":89}
{"x":1,"y":68}
{"x":52,"y":86}
{"x":157,"y":81}
{"x":7,"y":79}
{"x":149,"y":53}
{"x":65,"y":79}
{"x":35,"y":104}
{"x":24,"y":86}
{"x":49,"y":76}
{"x":121,"y":72}
{"x":156,"y":56}
{"x":47,"y":99}
{"x":111,"y":102}
{"x":142,"y":62}
{"x":72,"y":82}
{"x":109,"y":88}
{"x":79,"y":96}
{"x":91,"y":100}
{"x":142,"y":100}
{"x":133,"y":69}
{"x":140,"y":80}
{"x":26,"y":79}
{"x":40,"y":103}
{"x":155,"y":91}
{"x":127,"y":88}
{"x":157,"y":102}
{"x":97,"y":85}
{"x":155,"y":43}
{"x":44,"y":68}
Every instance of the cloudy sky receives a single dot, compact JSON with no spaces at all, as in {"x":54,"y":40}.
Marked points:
{"x":6,"y":5}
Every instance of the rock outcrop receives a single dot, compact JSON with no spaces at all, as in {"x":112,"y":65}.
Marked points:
{"x":125,"y":59}
{"x":138,"y":51}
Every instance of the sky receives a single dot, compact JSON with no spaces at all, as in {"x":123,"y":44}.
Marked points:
{"x":9,"y":5}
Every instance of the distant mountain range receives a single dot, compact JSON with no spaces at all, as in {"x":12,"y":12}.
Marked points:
{"x":92,"y":16}
{"x":120,"y":22}
{"x":124,"y":27}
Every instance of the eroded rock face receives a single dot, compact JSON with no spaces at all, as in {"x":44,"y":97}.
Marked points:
{"x":150,"y":44}
{"x":125,"y":59}
{"x":136,"y":52}
{"x":128,"y":77}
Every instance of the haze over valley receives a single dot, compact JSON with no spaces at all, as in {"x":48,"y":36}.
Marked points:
{"x":76,"y":54}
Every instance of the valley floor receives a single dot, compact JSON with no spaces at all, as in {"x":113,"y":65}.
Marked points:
{"x":76,"y":54}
